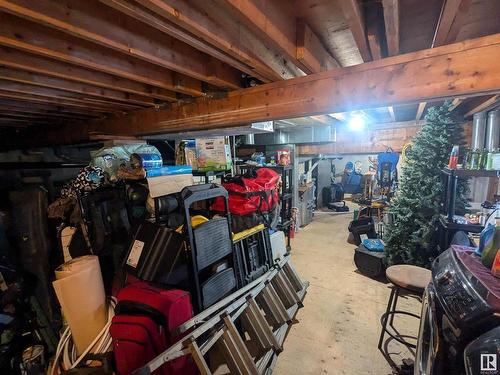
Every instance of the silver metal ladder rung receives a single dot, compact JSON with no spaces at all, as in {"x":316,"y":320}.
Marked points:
{"x":266,"y":312}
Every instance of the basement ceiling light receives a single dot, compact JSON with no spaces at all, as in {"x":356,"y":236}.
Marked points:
{"x":357,"y":123}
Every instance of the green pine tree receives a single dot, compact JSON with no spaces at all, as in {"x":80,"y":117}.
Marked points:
{"x":411,"y":238}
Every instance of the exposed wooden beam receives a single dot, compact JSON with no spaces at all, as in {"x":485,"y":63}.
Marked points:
{"x":6,"y":113}
{"x":79,"y":88}
{"x":91,"y":21}
{"x":453,"y":14}
{"x":181,"y":20}
{"x":420,"y":110}
{"x":45,"y":110}
{"x":485,"y":105}
{"x":391,"y":19}
{"x":455,"y":103}
{"x":27,"y":97}
{"x":17,"y":87}
{"x":275,"y":23}
{"x":26,"y":36}
{"x":310,"y":51}
{"x":392,"y":113}
{"x":29,"y":118}
{"x":375,"y":30}
{"x":376,"y":139}
{"x":402,"y":79}
{"x":355,"y":19}
{"x":20,"y":60}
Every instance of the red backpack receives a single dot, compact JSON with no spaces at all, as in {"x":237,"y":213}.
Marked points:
{"x":142,"y":328}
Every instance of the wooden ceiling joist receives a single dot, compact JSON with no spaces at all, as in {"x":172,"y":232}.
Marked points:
{"x":21,"y":88}
{"x":75,"y":87}
{"x":375,"y":30}
{"x":391,"y":20}
{"x":448,"y":71}
{"x":453,"y":14}
{"x":181,"y":20}
{"x":20,"y":60}
{"x":310,"y":52}
{"x":24,"y":35}
{"x":43,"y":109}
{"x":8,"y":113}
{"x":91,"y":21}
{"x":275,"y":23}
{"x":420,"y":110}
{"x":484,"y":105}
{"x":32,"y":98}
{"x":355,"y":19}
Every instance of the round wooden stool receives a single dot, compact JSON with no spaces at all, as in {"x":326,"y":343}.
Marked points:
{"x":410,"y":280}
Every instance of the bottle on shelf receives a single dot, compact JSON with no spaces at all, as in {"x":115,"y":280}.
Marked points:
{"x":474,"y":160}
{"x":452,"y":163}
{"x":482,"y":159}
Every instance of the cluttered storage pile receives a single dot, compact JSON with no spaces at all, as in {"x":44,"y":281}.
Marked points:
{"x":139,"y":252}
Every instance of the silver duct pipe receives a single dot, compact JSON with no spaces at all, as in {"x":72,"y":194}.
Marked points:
{"x":250,"y":139}
{"x":493,"y":130}
{"x":478,"y":130}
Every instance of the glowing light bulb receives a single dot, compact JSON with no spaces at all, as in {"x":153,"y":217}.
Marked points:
{"x":356,"y":123}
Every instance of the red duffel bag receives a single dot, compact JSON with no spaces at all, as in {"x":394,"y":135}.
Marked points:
{"x":143,"y":327}
{"x":255,"y":193}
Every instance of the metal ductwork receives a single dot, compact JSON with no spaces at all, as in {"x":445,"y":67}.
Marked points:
{"x":478,"y":131}
{"x":493,"y":130}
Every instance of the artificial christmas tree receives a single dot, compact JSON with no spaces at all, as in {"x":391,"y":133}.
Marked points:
{"x":411,"y":238}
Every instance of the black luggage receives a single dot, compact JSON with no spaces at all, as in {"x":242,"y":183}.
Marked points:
{"x":369,"y":263}
{"x":362,"y":226}
{"x":31,"y":236}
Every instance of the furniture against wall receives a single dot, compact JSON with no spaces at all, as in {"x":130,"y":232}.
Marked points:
{"x":448,"y":225}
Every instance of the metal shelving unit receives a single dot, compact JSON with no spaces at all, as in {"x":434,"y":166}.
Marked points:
{"x":286,"y":196}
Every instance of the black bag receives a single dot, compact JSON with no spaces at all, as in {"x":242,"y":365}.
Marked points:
{"x":30,"y":234}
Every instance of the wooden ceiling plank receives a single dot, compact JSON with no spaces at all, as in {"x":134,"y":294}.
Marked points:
{"x":374,"y":31}
{"x":79,"y":88}
{"x":215,"y":26}
{"x":486,"y":104}
{"x":310,"y":51}
{"x":6,"y":112}
{"x":27,"y":118}
{"x":420,"y":110}
{"x":453,"y":14}
{"x":403,"y":79}
{"x":44,"y":109}
{"x":27,"y":97}
{"x":20,"y":60}
{"x":242,"y":59}
{"x":92,"y":22}
{"x":23,"y":35}
{"x":55,"y":93}
{"x":455,"y":103}
{"x":355,"y":19}
{"x":274,"y":22}
{"x":391,"y":20}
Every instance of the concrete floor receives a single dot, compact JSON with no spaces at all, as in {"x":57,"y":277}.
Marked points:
{"x":339,"y":326}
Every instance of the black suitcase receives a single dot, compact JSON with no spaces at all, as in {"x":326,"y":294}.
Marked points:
{"x":369,"y":263}
{"x":31,"y":236}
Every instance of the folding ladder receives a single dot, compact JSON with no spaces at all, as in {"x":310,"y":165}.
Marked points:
{"x":246,"y":330}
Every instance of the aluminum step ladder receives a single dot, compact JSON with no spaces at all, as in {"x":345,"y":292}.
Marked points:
{"x":246,"y":329}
